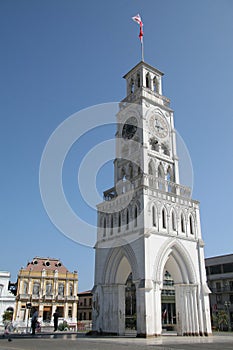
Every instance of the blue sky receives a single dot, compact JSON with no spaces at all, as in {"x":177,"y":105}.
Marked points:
{"x":59,"y":57}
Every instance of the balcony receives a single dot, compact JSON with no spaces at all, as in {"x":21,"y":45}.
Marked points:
{"x":155,"y":183}
{"x":224,"y":289}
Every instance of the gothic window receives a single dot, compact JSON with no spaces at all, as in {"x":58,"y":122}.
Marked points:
{"x":105,"y":225}
{"x":127,"y":219}
{"x":182,"y":223}
{"x":161,"y":176}
{"x":191,"y":225}
{"x":135,"y":216}
{"x":138,"y":80}
{"x":111,"y":224}
{"x":132,"y":86}
{"x":155,"y":84}
{"x":173,"y":221}
{"x":119,"y":222}
{"x":164,"y":219}
{"x":153,"y":216}
{"x":148,"y":80}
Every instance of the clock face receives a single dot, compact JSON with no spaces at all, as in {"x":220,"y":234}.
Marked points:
{"x":129,"y":128}
{"x":158,"y":125}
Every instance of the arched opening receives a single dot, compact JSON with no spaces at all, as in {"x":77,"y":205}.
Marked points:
{"x":130,"y":303}
{"x":164,"y":219}
{"x":132,"y":86}
{"x":135,"y":216}
{"x":148,"y":80}
{"x":138,"y":80}
{"x":153,"y":216}
{"x":168,"y":304}
{"x":191,"y":228}
{"x":161,"y":176}
{"x":127,"y":219}
{"x":119,"y":222}
{"x":111,"y":224}
{"x":182,"y":223}
{"x":105,"y":226}
{"x":155,"y":84}
{"x":173,"y":222}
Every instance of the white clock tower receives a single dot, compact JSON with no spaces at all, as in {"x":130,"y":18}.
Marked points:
{"x":148,"y":225}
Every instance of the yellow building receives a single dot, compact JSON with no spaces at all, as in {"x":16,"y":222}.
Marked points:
{"x":47,"y":285}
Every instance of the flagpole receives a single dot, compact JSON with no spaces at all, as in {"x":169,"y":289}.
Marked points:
{"x":142,"y":50}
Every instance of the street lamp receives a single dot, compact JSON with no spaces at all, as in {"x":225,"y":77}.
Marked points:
{"x":227,"y":306}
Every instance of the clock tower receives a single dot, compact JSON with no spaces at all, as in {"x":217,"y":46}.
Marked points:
{"x":148,"y":224}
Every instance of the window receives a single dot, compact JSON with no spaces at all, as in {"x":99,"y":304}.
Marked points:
{"x":231,"y":285}
{"x":85,"y":302}
{"x":173,"y":222}
{"x":135,"y":216}
{"x":218,"y":286}
{"x":138,"y":80}
{"x":127,"y":219}
{"x":154,"y":85}
{"x":90,"y":301}
{"x":119,"y":222}
{"x":105,"y":227}
{"x":90,"y":316}
{"x":71,"y":289}
{"x":191,"y":225}
{"x":36,"y":288}
{"x":84,"y":316}
{"x":227,"y":267}
{"x":25,"y":287}
{"x":61,"y":289}
{"x":182,"y":223}
{"x":164,"y":223}
{"x":147,"y":80}
{"x":111,"y":224}
{"x":132,"y":86}
{"x":153,"y":216}
{"x":1,"y":288}
{"x":70,"y":312}
{"x":215,"y":269}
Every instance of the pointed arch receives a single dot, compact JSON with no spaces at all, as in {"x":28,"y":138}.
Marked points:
{"x":135,"y":215}
{"x":161,"y":173}
{"x":138,"y":80}
{"x":119,"y":222}
{"x":148,"y":80}
{"x":155,"y":85}
{"x":132,"y":86}
{"x":127,"y":219}
{"x":119,"y":262}
{"x":178,"y":262}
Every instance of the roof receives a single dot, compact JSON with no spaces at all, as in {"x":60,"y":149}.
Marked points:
{"x":146,"y":65}
{"x":48,"y":264}
{"x":87,"y":292}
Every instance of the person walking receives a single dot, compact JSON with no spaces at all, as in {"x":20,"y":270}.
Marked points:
{"x":55,"y":320}
{"x":34,"y":321}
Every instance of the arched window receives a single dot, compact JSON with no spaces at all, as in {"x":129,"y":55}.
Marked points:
{"x":138,"y":80}
{"x":155,"y":84}
{"x":130,"y":171}
{"x":135,"y":216}
{"x":191,"y":225}
{"x":61,"y":289}
{"x":119,"y":222}
{"x":147,"y":80}
{"x":127,"y":219}
{"x":132,"y":86}
{"x":173,"y":222}
{"x":111,"y":224}
{"x":182,"y":223}
{"x":164,"y":219}
{"x":105,"y":226}
{"x":161,"y":176}
{"x":153,"y":216}
{"x":49,"y":288}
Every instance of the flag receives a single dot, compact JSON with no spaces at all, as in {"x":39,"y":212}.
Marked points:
{"x":139,"y":21}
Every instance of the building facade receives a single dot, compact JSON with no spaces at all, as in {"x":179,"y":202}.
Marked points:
{"x":148,"y":224}
{"x":7,"y":299}
{"x":46,"y":285}
{"x":85,"y":306}
{"x":219,"y":270}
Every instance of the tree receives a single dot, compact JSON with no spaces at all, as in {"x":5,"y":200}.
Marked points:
{"x":7,"y":316}
{"x":220,"y":319}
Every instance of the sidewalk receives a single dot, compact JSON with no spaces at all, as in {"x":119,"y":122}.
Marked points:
{"x":76,"y":341}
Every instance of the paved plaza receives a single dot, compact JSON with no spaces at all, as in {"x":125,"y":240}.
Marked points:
{"x":223,"y":341}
